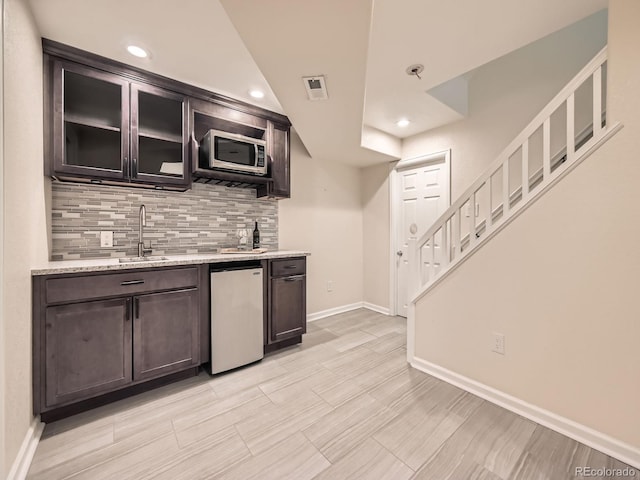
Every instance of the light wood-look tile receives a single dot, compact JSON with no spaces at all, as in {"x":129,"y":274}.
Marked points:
{"x":401,"y":384}
{"x":134,"y":463}
{"x":384,"y":329}
{"x":357,"y":361}
{"x":79,"y":461}
{"x":188,"y":418}
{"x":469,"y":470}
{"x":226,"y":384}
{"x":211,"y":426}
{"x":392,"y":363}
{"x":203,"y":460}
{"x":314,"y":383}
{"x":340,"y":391}
{"x":141,"y":418}
{"x":491,"y":437}
{"x":304,"y":357}
{"x":387,"y":343}
{"x":274,"y":423}
{"x":345,"y":427}
{"x":58,"y":449}
{"x":415,"y":435}
{"x":291,"y":378}
{"x":551,"y":455}
{"x":342,"y":405}
{"x":292,"y":459}
{"x":317,"y":337}
{"x":368,"y":461}
{"x":350,"y":340}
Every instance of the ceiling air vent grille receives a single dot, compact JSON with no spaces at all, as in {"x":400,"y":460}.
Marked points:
{"x":316,"y":87}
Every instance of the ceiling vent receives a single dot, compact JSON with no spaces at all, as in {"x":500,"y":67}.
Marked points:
{"x":316,"y":87}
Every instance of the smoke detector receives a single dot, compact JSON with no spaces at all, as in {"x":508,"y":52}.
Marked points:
{"x":316,"y":87}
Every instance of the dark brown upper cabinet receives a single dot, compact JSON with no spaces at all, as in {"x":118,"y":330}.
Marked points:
{"x":106,"y":128}
{"x":108,"y":122}
{"x":90,"y":123}
{"x":278,"y":144}
{"x":206,"y":115}
{"x":159,"y":136}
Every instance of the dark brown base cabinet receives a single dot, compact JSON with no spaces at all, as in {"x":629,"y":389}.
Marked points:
{"x":287,"y":300}
{"x":87,"y":349}
{"x":166,"y":333}
{"x":86,"y":346}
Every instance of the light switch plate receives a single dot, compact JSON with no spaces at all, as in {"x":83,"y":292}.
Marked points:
{"x":106,"y":239}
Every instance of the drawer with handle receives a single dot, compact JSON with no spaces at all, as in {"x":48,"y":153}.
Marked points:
{"x":85,"y":287}
{"x":287,"y":267}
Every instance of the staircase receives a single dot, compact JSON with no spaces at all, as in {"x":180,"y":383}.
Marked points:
{"x":544,"y":152}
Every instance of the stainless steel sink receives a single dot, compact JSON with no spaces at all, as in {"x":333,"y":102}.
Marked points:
{"x":150,"y":258}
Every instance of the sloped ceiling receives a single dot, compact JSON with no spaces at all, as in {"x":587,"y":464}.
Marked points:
{"x":192,"y":41}
{"x":361,"y":46}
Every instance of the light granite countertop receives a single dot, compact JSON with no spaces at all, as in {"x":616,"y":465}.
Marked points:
{"x":113,"y":264}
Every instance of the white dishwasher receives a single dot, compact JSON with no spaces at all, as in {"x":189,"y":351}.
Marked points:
{"x":237,"y":320}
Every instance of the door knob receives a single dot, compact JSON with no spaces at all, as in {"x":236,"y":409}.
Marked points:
{"x":399,"y":253}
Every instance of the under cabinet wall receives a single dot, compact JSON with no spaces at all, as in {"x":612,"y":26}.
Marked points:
{"x":200,"y":220}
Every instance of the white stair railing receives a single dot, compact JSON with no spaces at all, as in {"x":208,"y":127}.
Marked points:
{"x":458,"y":233}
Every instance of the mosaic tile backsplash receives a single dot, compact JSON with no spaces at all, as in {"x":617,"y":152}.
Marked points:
{"x":200,"y":220}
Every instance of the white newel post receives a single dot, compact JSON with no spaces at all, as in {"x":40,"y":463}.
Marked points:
{"x":413,"y":286}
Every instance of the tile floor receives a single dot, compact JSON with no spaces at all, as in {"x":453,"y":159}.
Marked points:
{"x":342,"y":405}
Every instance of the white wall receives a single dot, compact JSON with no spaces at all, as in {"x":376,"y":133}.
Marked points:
{"x":375,"y":242}
{"x":25,"y":220}
{"x":3,"y":468}
{"x":324,"y":216}
{"x":563,"y":281}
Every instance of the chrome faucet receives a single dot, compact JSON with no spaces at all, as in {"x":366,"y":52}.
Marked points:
{"x":142,"y":217}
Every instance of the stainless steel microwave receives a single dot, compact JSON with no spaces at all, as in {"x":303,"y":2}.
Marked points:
{"x":233,"y":152}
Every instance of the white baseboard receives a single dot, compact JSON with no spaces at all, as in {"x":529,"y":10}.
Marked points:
{"x":581,"y":433}
{"x":21,"y":464}
{"x":376,"y":308}
{"x":312,"y":317}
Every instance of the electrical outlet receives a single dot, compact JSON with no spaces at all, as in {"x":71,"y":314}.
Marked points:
{"x":498,"y":343}
{"x":106,"y":239}
{"x":330,"y":286}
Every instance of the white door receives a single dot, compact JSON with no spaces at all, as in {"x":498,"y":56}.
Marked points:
{"x":422,"y":195}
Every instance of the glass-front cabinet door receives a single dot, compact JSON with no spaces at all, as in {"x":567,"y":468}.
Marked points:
{"x":159,"y":137}
{"x":91,"y":122}
{"x":106,"y":127}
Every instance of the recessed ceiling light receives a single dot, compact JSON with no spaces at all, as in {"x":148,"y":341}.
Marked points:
{"x":256,"y":93}
{"x":137,"y":51}
{"x":403,"y":122}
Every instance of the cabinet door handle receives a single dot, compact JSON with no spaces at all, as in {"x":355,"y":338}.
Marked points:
{"x":132,"y":282}
{"x":289,"y":267}
{"x":134,"y":172}
{"x":292,"y":279}
{"x":136,"y":307}
{"x":126,"y":166}
{"x":127,"y":316}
